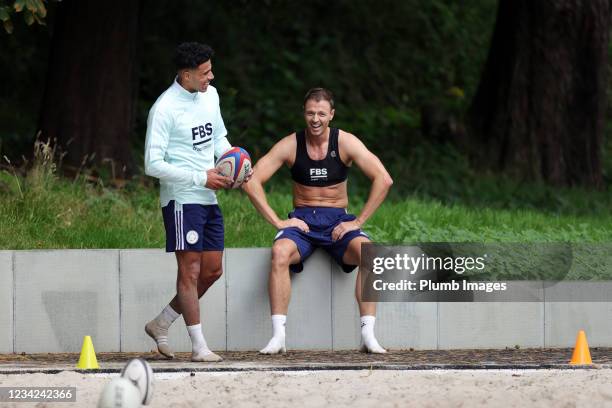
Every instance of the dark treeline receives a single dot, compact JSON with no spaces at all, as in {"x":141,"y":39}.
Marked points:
{"x":386,"y":62}
{"x":404,"y":74}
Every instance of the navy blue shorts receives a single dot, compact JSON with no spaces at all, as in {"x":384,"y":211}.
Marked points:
{"x":193,"y":227}
{"x":321,"y":221}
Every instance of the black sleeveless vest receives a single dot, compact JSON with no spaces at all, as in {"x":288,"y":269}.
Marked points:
{"x":318,"y":173}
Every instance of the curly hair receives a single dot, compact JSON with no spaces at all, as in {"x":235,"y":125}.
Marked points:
{"x":190,"y":55}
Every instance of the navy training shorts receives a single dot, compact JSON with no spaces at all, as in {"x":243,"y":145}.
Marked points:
{"x":321,"y":221}
{"x":193,"y":227}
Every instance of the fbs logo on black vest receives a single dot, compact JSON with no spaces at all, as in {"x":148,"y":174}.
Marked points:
{"x":200,"y":135}
{"x":318,"y":173}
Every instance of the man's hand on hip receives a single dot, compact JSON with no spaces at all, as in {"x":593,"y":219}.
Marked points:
{"x":216,"y":180}
{"x":344,"y":227}
{"x":293,"y":222}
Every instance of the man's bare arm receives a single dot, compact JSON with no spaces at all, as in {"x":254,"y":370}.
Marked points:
{"x":265,"y":168}
{"x":373,"y":168}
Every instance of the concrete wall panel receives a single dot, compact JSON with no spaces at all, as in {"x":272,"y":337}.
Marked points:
{"x":309,"y":317}
{"x":61,"y":296}
{"x":148,"y":282}
{"x":6,"y":301}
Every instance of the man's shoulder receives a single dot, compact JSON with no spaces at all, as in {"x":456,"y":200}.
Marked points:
{"x":346,"y":138}
{"x":290,"y":138}
{"x":284,"y":148}
{"x":350,"y":146}
{"x":163,"y":104}
{"x":211,"y":95}
{"x":345,"y":134}
{"x":212,"y":90}
{"x":287,"y":141}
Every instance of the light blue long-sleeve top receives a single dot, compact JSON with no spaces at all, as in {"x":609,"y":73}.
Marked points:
{"x":185,"y":131}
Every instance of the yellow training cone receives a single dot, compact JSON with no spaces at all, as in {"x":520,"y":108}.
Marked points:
{"x":88,"y":359}
{"x":582,"y":355}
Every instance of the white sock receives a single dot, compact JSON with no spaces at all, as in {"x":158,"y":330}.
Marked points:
{"x":277,"y":342}
{"x":278,"y":325}
{"x":368,"y":339}
{"x":198,"y":344}
{"x":163,"y":321}
{"x":166,"y":317}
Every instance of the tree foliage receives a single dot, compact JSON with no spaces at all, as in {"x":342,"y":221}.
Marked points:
{"x":90,"y":89}
{"x":382,"y":66}
{"x":403,"y":72}
{"x":33,"y":11}
{"x":540,"y":107}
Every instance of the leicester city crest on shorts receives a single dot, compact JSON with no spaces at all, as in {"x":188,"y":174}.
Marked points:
{"x":192,"y":237}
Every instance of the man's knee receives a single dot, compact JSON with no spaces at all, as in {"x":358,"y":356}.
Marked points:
{"x":188,"y":272}
{"x":352,"y":255}
{"x":281,"y":254}
{"x":211,"y":274}
{"x":188,"y":278}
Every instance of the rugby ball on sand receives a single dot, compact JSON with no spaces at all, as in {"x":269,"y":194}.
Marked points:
{"x":120,"y":393}
{"x":235,"y":163}
{"x":139,"y":372}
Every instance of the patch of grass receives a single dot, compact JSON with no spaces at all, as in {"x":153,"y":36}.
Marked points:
{"x":65,"y":214}
{"x":418,"y":220}
{"x":42,"y":210}
{"x":443,"y":174}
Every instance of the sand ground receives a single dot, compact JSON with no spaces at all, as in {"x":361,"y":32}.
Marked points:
{"x":355,"y":388}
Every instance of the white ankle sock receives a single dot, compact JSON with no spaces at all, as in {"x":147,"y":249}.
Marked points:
{"x":278,"y":325}
{"x":367,"y":325}
{"x":277,"y":342}
{"x":197,"y":338}
{"x":367,"y":335}
{"x":166,"y":317}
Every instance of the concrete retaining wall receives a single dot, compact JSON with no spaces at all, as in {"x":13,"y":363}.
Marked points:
{"x":51,"y":299}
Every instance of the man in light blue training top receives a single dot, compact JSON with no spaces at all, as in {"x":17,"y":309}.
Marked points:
{"x":185,"y":132}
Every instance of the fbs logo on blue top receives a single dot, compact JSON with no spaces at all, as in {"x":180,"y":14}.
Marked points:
{"x":199,"y":135}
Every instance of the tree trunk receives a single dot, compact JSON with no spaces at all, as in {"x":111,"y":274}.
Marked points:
{"x":88,"y":104}
{"x":539,"y":110}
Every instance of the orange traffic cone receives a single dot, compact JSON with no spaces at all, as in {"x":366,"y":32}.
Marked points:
{"x":582,"y":355}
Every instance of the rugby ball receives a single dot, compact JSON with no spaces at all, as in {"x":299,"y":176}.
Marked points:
{"x":139,"y":372}
{"x":120,"y":393}
{"x":235,"y":163}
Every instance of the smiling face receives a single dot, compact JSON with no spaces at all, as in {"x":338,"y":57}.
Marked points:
{"x":317,"y":115}
{"x":197,"y":79}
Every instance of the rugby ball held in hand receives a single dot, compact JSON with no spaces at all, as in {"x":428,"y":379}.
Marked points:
{"x":235,"y":163}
